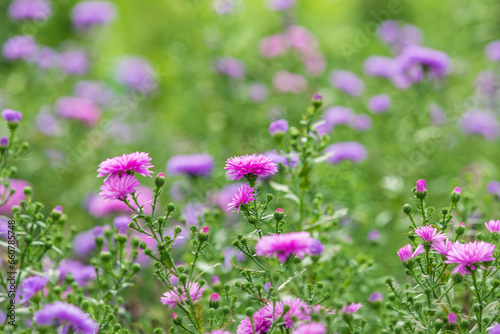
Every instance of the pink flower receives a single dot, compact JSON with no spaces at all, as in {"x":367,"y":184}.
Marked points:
{"x":457,"y":190}
{"x":118,"y":187}
{"x":452,"y":318}
{"x":244,"y":195}
{"x":261,"y":323}
{"x":428,"y":233}
{"x":493,"y":225}
{"x":287,"y":82}
{"x":421,"y":186}
{"x":285,"y":245}
{"x":465,"y":255}
{"x":405,"y":253}
{"x":351,"y":308}
{"x":98,"y":206}
{"x":260,"y":165}
{"x":138,"y":162}
{"x":174,"y":297}
{"x":442,"y":246}
{"x":16,"y":186}
{"x":273,"y":46}
{"x":298,"y":309}
{"x":78,"y":108}
{"x":310,"y":328}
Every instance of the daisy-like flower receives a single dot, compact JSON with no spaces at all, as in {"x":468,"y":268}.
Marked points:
{"x":442,"y":246}
{"x":351,"y":308}
{"x":178,"y":295}
{"x":258,"y":165}
{"x":118,"y":187}
{"x":32,"y":285}
{"x":138,"y":162}
{"x":466,"y":255}
{"x":261,"y":323}
{"x":285,"y":245}
{"x":376,"y":297}
{"x":405,"y":253}
{"x":310,"y":328}
{"x":67,"y":315}
{"x":493,"y":225}
{"x":298,"y":310}
{"x":244,"y":195}
{"x":428,"y":233}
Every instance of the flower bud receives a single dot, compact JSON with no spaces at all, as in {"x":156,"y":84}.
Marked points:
{"x":160,"y":180}
{"x":4,"y":143}
{"x":27,"y":191}
{"x":278,"y":214}
{"x":456,"y":278}
{"x":421,"y":190}
{"x":407,"y":208}
{"x":136,"y":267}
{"x":317,"y":100}
{"x":294,"y":132}
{"x":105,"y":256}
{"x":460,"y":229}
{"x":85,"y":305}
{"x":250,"y":311}
{"x":456,"y":195}
{"x":214,"y":301}
{"x":480,"y":236}
{"x":176,"y":319}
{"x":170,"y":207}
{"x":203,"y":234}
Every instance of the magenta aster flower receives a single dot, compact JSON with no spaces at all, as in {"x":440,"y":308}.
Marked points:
{"x":442,"y":246}
{"x":285,"y":245}
{"x":405,"y":253}
{"x":298,"y":310}
{"x":138,"y":162}
{"x":421,"y":186}
{"x":68,"y":315}
{"x":219,"y":332}
{"x":261,"y":323}
{"x":260,"y":165}
{"x":37,"y":10}
{"x":428,"y":233}
{"x":347,"y":82}
{"x":310,"y":328}
{"x":351,"y":308}
{"x":32,"y":285}
{"x":273,"y":46}
{"x":495,"y":330}
{"x":118,"y":187}
{"x":12,"y":116}
{"x":178,"y":295}
{"x":452,"y":318}
{"x":466,"y":255}
{"x":80,"y":272}
{"x":279,"y":126}
{"x":244,"y":195}
{"x":17,"y":186}
{"x":493,"y":225}
{"x":79,"y":109}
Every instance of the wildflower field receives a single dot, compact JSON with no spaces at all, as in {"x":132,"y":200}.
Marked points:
{"x":249,"y":166}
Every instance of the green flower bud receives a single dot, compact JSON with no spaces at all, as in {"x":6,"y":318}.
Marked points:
{"x":249,"y":312}
{"x":135,"y":242}
{"x":27,"y":191}
{"x":136,"y":267}
{"x":407,"y":209}
{"x":121,"y":239}
{"x":85,"y":306}
{"x":177,"y":230}
{"x":170,"y":207}
{"x":278,"y":214}
{"x":105,"y":257}
{"x":160,"y":180}
{"x":456,"y":278}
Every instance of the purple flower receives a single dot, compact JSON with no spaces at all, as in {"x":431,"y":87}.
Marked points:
{"x":347,"y":82}
{"x":46,"y":58}
{"x":4,"y":142}
{"x":379,"y":103}
{"x":493,"y":225}
{"x":415,"y":61}
{"x":338,"y":115}
{"x":466,"y":255}
{"x":298,"y":310}
{"x":174,"y":297}
{"x":48,"y":124}
{"x":380,"y":66}
{"x":80,"y":272}
{"x":79,"y":109}
{"x":288,"y":82}
{"x":192,"y":164}
{"x":37,"y":10}
{"x":136,"y":73}
{"x":301,"y":39}
{"x":282,"y":246}
{"x":68,"y":315}
{"x":17,"y":186}
{"x":138,"y":162}
{"x":479,"y":122}
{"x":121,"y":223}
{"x":74,"y":62}
{"x":273,"y":46}
{"x":428,"y":233}
{"x":438,"y":117}
{"x":492,"y":51}
{"x":260,"y":165}
{"x":84,"y":242}
{"x":361,"y":122}
{"x":442,"y":246}
{"x":399,"y":37}
{"x":495,"y":330}
{"x":118,"y":187}
{"x":452,"y":318}
{"x":30,"y":286}
{"x":315,"y":63}
{"x":310,"y":328}
{"x":376,"y":297}
{"x":19,"y":47}
{"x":421,"y":186}
{"x":493,"y":188}
{"x":231,"y":67}
{"x":351,"y":308}
{"x":257,"y":92}
{"x":405,"y":253}
{"x":291,"y":160}
{"x":98,"y":206}
{"x":192,"y":213}
{"x":87,"y":14}
{"x":341,"y":151}
{"x":260,"y":323}
{"x":279,"y":126}
{"x":95,"y":91}
{"x":12,"y":116}
{"x":280,"y":4}
{"x":373,"y":235}
{"x":244,"y":195}
{"x":487,"y":83}
{"x":315,"y":247}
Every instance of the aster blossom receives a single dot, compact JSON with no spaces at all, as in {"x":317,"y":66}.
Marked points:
{"x":118,"y":187}
{"x":138,"y":162}
{"x":428,"y":233}
{"x":178,"y":296}
{"x":298,"y":310}
{"x":244,"y":195}
{"x":405,"y":253}
{"x":310,"y":328}
{"x":285,"y":245}
{"x":261,"y":323}
{"x":71,"y":316}
{"x":351,"y":308}
{"x":31,"y":285}
{"x":466,"y":255}
{"x":493,"y":225}
{"x":442,"y":246}
{"x":258,"y":165}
